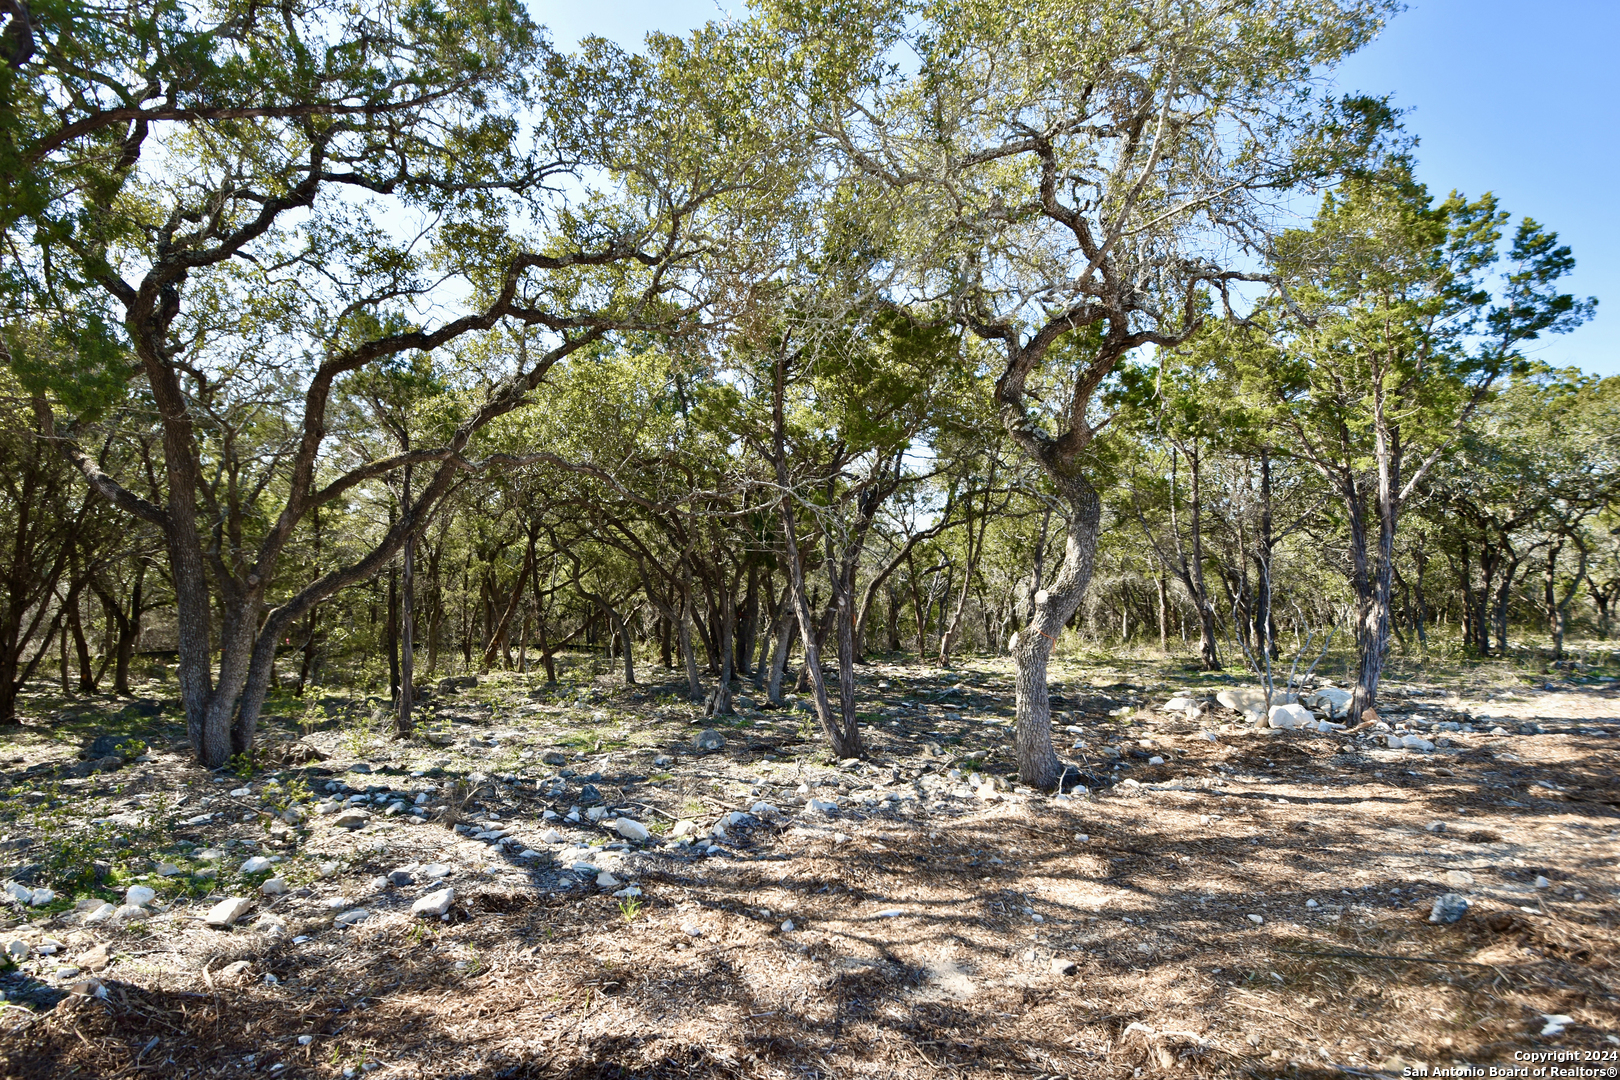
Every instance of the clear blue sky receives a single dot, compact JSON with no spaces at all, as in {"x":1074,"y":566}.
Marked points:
{"x":1517,"y":98}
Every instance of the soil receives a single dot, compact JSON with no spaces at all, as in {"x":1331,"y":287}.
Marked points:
{"x":1256,"y":903}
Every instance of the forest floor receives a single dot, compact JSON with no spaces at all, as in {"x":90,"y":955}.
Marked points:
{"x":1222,"y":900}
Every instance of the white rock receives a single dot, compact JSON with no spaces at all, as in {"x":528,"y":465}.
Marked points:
{"x":1180,"y":704}
{"x":632,"y":830}
{"x":166,"y":869}
{"x":273,"y":887}
{"x":328,"y":869}
{"x":1288,"y":717}
{"x":787,"y":926}
{"x":1257,"y":919}
{"x":628,"y":892}
{"x":17,"y":949}
{"x":352,"y":819}
{"x":139,"y":895}
{"x":605,"y":880}
{"x":1252,"y":700}
{"x":821,"y":806}
{"x":227,"y":912}
{"x":1416,"y":742}
{"x":683,"y":828}
{"x":1556,"y":1023}
{"x":552,"y":836}
{"x":718,"y":832}
{"x":433,"y":871}
{"x":99,"y":915}
{"x":294,"y":815}
{"x":241,"y":792}
{"x":434,"y":904}
{"x":763,"y":809}
{"x":350,"y":917}
{"x":1543,"y":883}
{"x":1312,"y":904}
{"x":1155,"y":760}
{"x":596,"y":813}
{"x":256,"y":865}
{"x":130,"y":913}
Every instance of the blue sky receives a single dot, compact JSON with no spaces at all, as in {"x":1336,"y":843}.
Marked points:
{"x":1516,"y":98}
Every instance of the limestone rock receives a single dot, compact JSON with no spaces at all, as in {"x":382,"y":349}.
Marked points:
{"x":632,"y":830}
{"x":1289,"y":717}
{"x":1252,"y":700}
{"x":708,"y":739}
{"x":226,"y":912}
{"x":434,"y":904}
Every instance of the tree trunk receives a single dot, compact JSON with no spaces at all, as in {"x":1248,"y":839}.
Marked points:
{"x":947,"y":636}
{"x":81,"y":650}
{"x":719,"y":703}
{"x":694,"y":686}
{"x":1164,"y":614}
{"x":779,"y":655}
{"x":1504,"y":597}
{"x":1375,"y":583}
{"x":129,"y":634}
{"x":392,"y":633}
{"x":1031,"y":647}
{"x":845,"y":738}
{"x":1558,"y":607}
{"x":1209,"y":659}
{"x":404,"y":723}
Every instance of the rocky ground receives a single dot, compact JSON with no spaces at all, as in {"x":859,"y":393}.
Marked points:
{"x":590,"y":880}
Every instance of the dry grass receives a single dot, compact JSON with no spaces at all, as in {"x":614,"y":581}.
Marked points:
{"x":916,"y":951}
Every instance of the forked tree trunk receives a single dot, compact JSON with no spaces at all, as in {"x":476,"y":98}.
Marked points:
{"x":844,"y":736}
{"x":694,"y":685}
{"x":1374,"y":583}
{"x":719,"y":703}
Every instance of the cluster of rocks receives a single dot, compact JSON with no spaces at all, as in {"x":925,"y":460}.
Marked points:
{"x":350,"y":808}
{"x":24,"y":895}
{"x":1320,"y":710}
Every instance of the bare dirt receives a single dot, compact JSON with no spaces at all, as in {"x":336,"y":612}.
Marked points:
{"x":1257,"y":904}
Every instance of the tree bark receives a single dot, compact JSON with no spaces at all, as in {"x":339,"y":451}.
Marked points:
{"x":404,"y":723}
